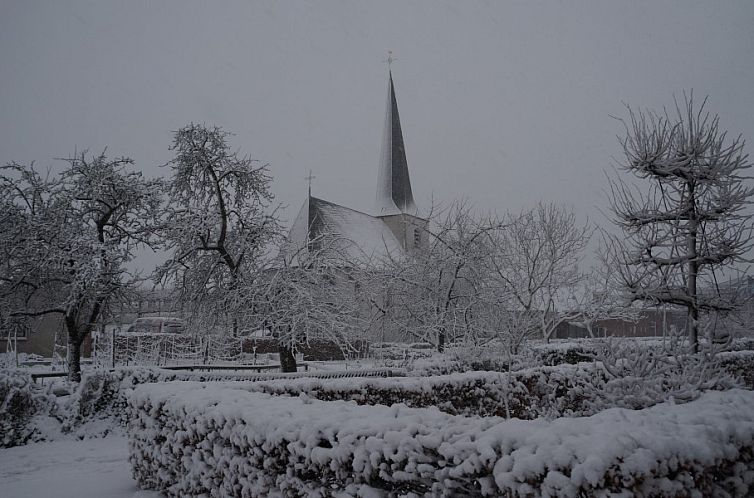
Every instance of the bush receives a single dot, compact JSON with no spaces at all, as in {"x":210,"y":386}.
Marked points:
{"x":97,"y":406}
{"x":739,"y":364}
{"x":21,"y":404}
{"x":28,"y":410}
{"x":103,"y":394}
{"x":527,"y":394}
{"x":742,"y":344}
{"x":198,"y":440}
{"x":565,"y":390}
{"x":570,"y":355}
{"x":494,"y":357}
{"x":627,"y":375}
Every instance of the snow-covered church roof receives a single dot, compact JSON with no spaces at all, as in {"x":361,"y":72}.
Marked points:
{"x":394,"y":194}
{"x":358,"y":235}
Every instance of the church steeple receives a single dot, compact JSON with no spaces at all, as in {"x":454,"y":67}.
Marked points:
{"x":394,"y":194}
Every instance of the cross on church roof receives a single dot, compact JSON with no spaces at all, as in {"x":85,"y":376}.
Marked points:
{"x":390,"y":59}
{"x":310,"y":178}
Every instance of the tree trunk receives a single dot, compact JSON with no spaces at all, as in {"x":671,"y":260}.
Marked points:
{"x":74,"y":358}
{"x":74,"y":347}
{"x":693,"y":328}
{"x":692,"y":325}
{"x":441,"y":341}
{"x":287,"y":358}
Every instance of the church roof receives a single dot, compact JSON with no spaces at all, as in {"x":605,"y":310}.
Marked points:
{"x":394,"y":194}
{"x":356,"y":235}
{"x":359,"y":235}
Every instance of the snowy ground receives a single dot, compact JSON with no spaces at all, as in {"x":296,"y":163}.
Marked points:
{"x":93,"y":468}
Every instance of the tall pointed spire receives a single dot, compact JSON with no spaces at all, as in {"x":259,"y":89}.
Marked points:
{"x":393,"y":184}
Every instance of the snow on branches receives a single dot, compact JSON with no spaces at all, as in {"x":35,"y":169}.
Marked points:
{"x":219,"y":223}
{"x":66,"y":240}
{"x":687,"y":222}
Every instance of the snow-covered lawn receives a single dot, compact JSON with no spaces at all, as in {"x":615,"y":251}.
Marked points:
{"x":93,"y":468}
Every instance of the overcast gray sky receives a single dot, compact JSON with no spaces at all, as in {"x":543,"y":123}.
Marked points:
{"x":505,"y":103}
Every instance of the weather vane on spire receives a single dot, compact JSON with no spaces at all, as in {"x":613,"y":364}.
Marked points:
{"x":390,"y":59}
{"x":310,"y":178}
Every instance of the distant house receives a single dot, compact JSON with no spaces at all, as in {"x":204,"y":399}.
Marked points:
{"x":44,"y":333}
{"x":651,"y":323}
{"x":145,"y":303}
{"x":39,"y":337}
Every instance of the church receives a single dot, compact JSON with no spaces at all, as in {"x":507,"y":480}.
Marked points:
{"x":395,"y":228}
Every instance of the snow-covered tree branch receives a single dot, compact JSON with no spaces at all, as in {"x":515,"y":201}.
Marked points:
{"x":688,"y":221}
{"x":219,"y":224}
{"x":66,"y":240}
{"x":533,"y":265}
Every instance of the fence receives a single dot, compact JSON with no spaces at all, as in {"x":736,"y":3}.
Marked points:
{"x":166,"y":349}
{"x":175,"y":349}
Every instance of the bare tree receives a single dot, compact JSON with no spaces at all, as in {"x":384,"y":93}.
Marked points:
{"x":219,"y":223}
{"x":502,"y":321}
{"x":686,"y":221}
{"x":435,"y":291}
{"x":596,"y":298}
{"x":66,"y":240}
{"x":485,"y":277}
{"x":533,"y":264}
{"x":304,"y":295}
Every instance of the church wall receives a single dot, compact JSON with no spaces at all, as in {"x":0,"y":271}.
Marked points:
{"x":410,"y":231}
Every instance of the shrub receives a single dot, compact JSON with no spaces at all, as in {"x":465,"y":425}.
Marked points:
{"x":103,"y":394}
{"x":739,"y":364}
{"x":550,"y":392}
{"x":527,"y":394}
{"x":198,"y":440}
{"x":570,"y":355}
{"x":21,"y":403}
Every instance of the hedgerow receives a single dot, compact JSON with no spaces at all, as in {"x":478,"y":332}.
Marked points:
{"x":193,"y":439}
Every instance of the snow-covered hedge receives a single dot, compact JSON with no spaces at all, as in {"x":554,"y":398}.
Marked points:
{"x":17,"y":407}
{"x":493,"y":356}
{"x":538,"y":392}
{"x":565,"y":390}
{"x":637,"y":381}
{"x":527,"y":394}
{"x":97,"y":405}
{"x":191,"y":439}
{"x":102,"y":393}
{"x":31,"y":412}
{"x":740,"y":364}
{"x":742,"y":344}
{"x":22,"y":403}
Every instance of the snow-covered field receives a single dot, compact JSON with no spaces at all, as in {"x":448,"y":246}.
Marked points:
{"x":92,"y":468}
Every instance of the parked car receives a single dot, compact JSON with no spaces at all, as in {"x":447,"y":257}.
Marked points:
{"x":256,"y":334}
{"x":157,"y":325}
